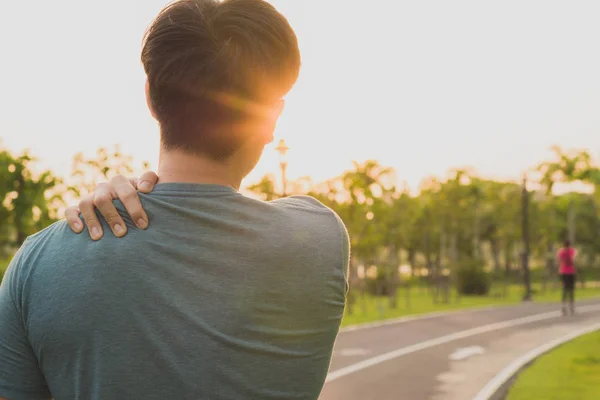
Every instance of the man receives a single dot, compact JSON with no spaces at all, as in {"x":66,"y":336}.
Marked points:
{"x":566,"y":258}
{"x":222,"y":296}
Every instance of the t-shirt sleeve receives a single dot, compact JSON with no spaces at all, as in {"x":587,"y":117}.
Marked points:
{"x":20,"y":374}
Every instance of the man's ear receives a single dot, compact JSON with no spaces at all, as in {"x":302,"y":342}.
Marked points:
{"x":149,"y":100}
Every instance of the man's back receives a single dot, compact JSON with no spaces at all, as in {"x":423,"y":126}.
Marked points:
{"x":223,"y":297}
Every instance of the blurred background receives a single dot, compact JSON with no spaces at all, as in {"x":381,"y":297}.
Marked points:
{"x":458,"y":141}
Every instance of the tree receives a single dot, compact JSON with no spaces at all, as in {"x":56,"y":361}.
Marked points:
{"x":456,"y":227}
{"x":30,"y":201}
{"x":362,"y":186}
{"x":567,"y":167}
{"x":107,"y":163}
{"x":6,"y":194}
{"x":398,"y":213}
{"x":265,"y":188}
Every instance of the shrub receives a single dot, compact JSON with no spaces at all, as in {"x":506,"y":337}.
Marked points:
{"x":471,"y":279}
{"x":380,"y":285}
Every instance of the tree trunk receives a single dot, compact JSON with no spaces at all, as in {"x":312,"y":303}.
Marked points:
{"x":497,"y":273}
{"x":507,"y":267}
{"x":411,"y":262}
{"x":363,"y":295}
{"x":454,"y":250}
{"x":407,"y":295}
{"x":571,"y":222}
{"x":443,"y":259}
{"x":552,"y":247}
{"x":551,"y":266}
{"x":394,"y":277}
{"x":476,"y":245}
{"x":353,"y":280}
{"x":435,"y":279}
{"x":496,"y":256}
{"x":363,"y":287}
{"x":525,"y":237}
{"x":571,"y":230}
{"x":429,"y":266}
{"x":590,"y":262}
{"x":455,"y":266}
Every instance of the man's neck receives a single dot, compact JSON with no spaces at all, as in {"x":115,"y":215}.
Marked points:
{"x":176,"y":166}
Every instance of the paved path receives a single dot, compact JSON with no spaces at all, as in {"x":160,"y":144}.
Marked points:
{"x":448,"y":357}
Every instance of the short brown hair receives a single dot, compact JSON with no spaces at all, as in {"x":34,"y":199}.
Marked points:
{"x":211,"y":64}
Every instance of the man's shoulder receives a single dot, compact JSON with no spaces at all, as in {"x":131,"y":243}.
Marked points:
{"x":57,"y":228}
{"x":34,"y":249}
{"x":326,"y":222}
{"x":303,"y":202}
{"x":58,"y":236}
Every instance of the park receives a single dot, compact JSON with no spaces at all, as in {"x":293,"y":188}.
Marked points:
{"x":346,"y":200}
{"x":460,"y":244}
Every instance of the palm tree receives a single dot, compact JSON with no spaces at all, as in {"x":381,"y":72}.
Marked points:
{"x":362,"y":185}
{"x":568,"y":167}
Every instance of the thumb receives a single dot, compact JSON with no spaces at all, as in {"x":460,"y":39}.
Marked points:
{"x":147,"y":181}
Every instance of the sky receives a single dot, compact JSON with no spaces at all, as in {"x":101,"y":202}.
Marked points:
{"x":421,"y":86}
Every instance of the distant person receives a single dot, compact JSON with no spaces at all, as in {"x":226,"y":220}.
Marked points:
{"x":566,"y":258}
{"x":221,"y":297}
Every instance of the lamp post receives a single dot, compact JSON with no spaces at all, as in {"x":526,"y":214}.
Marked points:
{"x":282,"y":149}
{"x":525,"y":238}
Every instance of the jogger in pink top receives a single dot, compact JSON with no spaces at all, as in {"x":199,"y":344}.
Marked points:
{"x":566,"y":258}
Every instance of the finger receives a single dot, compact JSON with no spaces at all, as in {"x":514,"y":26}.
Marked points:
{"x":147,"y":181}
{"x":73,"y":219}
{"x":103,"y":200}
{"x":134,"y":182}
{"x":130,"y":199}
{"x":88,"y":212}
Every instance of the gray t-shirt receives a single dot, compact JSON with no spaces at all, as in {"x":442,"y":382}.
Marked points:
{"x":222,"y":297}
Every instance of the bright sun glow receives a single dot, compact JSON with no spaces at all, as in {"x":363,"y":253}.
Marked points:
{"x":416,"y":88}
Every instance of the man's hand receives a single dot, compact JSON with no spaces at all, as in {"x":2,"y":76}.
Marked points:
{"x":120,"y":188}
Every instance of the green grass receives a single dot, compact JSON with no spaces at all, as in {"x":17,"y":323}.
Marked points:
{"x":372,"y":308}
{"x":570,"y":372}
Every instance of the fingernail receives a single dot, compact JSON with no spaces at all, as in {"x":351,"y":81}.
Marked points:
{"x":145,"y":186}
{"x":95,"y":233}
{"x":119,"y":230}
{"x":142,"y":224}
{"x":78,"y":225}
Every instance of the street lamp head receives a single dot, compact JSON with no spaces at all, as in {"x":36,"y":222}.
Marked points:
{"x":282,"y":148}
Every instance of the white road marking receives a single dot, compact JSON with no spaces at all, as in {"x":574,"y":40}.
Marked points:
{"x":496,"y":383}
{"x":370,"y":362}
{"x":354,"y":352}
{"x":466,"y":352}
